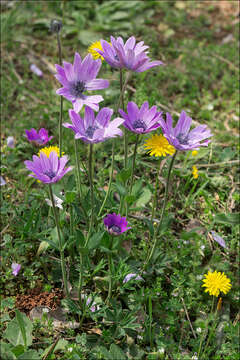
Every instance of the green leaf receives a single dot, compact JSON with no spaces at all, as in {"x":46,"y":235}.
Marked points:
{"x":121,"y":189}
{"x":13,"y":331}
{"x":70,"y":196}
{"x":18,"y":350}
{"x":130,"y":199}
{"x":42,"y":247}
{"x":123,"y":175}
{"x":21,"y":324}
{"x":117,"y":352}
{"x":6,"y":352}
{"x":230,"y":219}
{"x":95,"y":240}
{"x":29,"y":355}
{"x":144,"y":198}
{"x":87,"y":37}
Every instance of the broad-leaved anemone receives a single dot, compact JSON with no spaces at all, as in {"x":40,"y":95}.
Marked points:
{"x":131,"y":55}
{"x":79,"y":78}
{"x":93,"y":129}
{"x":48,"y":169}
{"x":143,"y":120}
{"x":181,"y":137}
{"x":115,"y":224}
{"x":39,"y":138}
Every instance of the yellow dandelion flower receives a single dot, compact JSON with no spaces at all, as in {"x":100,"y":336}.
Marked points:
{"x":194,"y":153}
{"x":95,"y":54}
{"x":159,"y":146}
{"x":215,"y":282}
{"x":48,"y":149}
{"x":195,"y":172}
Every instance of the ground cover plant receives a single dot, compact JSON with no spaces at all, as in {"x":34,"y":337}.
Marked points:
{"x":119,"y":180}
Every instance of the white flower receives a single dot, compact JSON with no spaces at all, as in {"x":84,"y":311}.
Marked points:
{"x":199,"y":277}
{"x":203,"y":247}
{"x":194,"y":357}
{"x":57,"y":201}
{"x":161,"y":350}
{"x":70,"y":349}
{"x":199,"y":330}
{"x":10,"y":141}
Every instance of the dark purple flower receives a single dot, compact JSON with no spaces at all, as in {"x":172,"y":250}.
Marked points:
{"x":143,"y":120}
{"x":48,"y":169}
{"x":181,"y":137}
{"x":131,"y":55}
{"x":79,"y":78}
{"x":218,"y":239}
{"x":39,"y":138}
{"x":93,"y":129}
{"x":15,"y":268}
{"x":116,"y":224}
{"x":128,"y":277}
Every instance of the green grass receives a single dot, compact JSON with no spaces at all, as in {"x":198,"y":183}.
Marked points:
{"x":200,"y":76}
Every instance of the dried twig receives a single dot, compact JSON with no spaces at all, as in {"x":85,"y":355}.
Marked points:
{"x":186,"y":312}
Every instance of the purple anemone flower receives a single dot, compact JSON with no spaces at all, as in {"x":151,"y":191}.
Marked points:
{"x":79,"y":78}
{"x":39,"y":138}
{"x":115,"y":224}
{"x":48,"y":169}
{"x":218,"y":239}
{"x":15,"y":268}
{"x":181,"y":137}
{"x":129,"y":277}
{"x":93,"y":129}
{"x":143,"y":120}
{"x":131,"y":55}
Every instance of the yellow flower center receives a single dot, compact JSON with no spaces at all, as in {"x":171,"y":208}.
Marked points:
{"x":195,"y":172}
{"x":47,"y":150}
{"x":159,"y":146}
{"x":215,"y":282}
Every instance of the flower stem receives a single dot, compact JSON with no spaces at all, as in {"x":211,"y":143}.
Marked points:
{"x":162,"y":212}
{"x":155,"y":192}
{"x":80,"y":281}
{"x":64,"y":275}
{"x":78,"y":168}
{"x":110,"y":180}
{"x":133,"y":163}
{"x":90,"y":173}
{"x":204,"y":332}
{"x":122,"y":89}
{"x":125,"y":130}
{"x":61,"y":98}
{"x":110,"y":272}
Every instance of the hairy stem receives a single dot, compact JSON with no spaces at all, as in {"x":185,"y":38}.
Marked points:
{"x":90,"y":173}
{"x":62,"y":260}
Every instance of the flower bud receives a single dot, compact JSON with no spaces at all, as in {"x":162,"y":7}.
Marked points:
{"x":55,"y":26}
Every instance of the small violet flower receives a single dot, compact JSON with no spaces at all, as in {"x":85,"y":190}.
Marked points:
{"x":48,"y":169}
{"x":36,"y":70}
{"x":143,"y":120}
{"x":131,"y":55}
{"x":93,"y":306}
{"x":10,"y":141}
{"x":93,"y":129}
{"x":39,"y":138}
{"x":79,"y":78}
{"x":218,"y":239}
{"x":129,"y":277}
{"x":2,"y":181}
{"x":181,"y":137}
{"x":15,"y":268}
{"x":116,"y":224}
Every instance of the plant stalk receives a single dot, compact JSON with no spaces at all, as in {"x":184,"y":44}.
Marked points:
{"x":156,"y":232}
{"x":133,"y":163}
{"x":62,"y":260}
{"x":90,"y":173}
{"x":155,"y":192}
{"x":78,"y":168}
{"x":61,"y":98}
